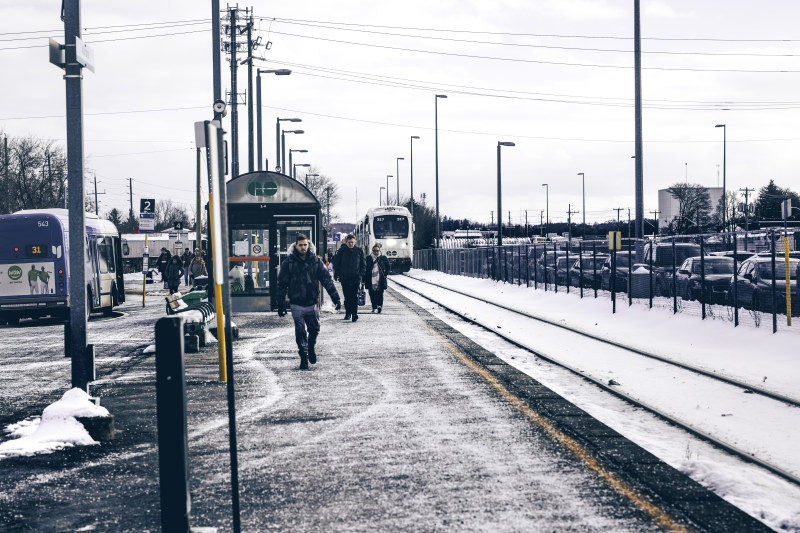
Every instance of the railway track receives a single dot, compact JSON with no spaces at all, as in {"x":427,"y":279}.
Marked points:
{"x":731,"y":384}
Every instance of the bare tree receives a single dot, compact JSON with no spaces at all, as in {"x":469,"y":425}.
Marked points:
{"x":694,"y":208}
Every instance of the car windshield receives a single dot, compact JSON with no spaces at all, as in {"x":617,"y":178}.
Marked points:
{"x":598,"y":262}
{"x":390,"y":226}
{"x":716,"y":265}
{"x":765,"y":269}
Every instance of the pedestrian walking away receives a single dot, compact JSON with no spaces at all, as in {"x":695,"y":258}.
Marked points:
{"x":298,"y":278}
{"x":377,"y":269}
{"x":173,"y":274}
{"x":349,"y":268}
{"x":161,"y":264}
{"x":187,"y":261}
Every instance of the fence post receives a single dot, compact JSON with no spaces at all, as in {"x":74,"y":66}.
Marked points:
{"x":519,"y":265}
{"x":674,"y":281}
{"x":702,"y":277}
{"x":173,"y":447}
{"x":653,"y":248}
{"x":630,"y":272}
{"x":614,"y":277}
{"x":566,"y":268}
{"x":544,"y":266}
{"x":555,"y":269}
{"x":735,"y":282}
{"x":774,"y":286}
{"x":580,"y":267}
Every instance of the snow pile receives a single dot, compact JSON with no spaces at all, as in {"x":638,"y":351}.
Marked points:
{"x":193,"y":316}
{"x":150,"y":349}
{"x":57,"y":428}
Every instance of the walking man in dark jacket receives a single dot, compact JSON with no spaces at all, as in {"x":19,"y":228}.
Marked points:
{"x":349,"y":267}
{"x":299,"y":276}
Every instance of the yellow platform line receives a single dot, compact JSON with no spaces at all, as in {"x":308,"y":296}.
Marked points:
{"x":658,"y":514}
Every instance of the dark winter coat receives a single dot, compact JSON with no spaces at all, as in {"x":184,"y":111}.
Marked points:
{"x":383,"y":271}
{"x":187,"y":258}
{"x":163,"y":261}
{"x":197,"y":267}
{"x":173,"y":273}
{"x":299,"y":279}
{"x":349,"y":264}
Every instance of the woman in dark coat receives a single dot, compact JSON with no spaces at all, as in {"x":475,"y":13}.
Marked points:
{"x":161,"y":263}
{"x":173,"y":274}
{"x":377,"y":269}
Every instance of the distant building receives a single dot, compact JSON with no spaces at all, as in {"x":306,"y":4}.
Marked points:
{"x":669,"y":207}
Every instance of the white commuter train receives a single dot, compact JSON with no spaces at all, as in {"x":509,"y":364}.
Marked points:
{"x":391,"y":227}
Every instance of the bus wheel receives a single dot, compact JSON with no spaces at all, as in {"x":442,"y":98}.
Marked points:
{"x":108,"y":311}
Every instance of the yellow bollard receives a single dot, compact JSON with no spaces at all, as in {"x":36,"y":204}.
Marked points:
{"x":223,"y":373}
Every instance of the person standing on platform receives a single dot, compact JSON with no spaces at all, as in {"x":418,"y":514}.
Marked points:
{"x":299,"y":277}
{"x":161,"y":263}
{"x":375,"y":275}
{"x":173,"y":273}
{"x":187,"y":262}
{"x":197,"y":267}
{"x":350,"y":270}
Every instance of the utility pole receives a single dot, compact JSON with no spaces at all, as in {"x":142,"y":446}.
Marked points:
{"x":526,"y":223}
{"x":250,"y":48}
{"x":509,"y":223}
{"x":570,"y":212}
{"x":491,"y":214}
{"x":629,"y":223}
{"x":747,"y":192}
{"x":96,"y":207}
{"x":232,"y":47}
{"x":637,"y":61}
{"x":655,"y":214}
{"x":541,"y":222}
{"x":618,"y":209}
{"x":130,"y":195}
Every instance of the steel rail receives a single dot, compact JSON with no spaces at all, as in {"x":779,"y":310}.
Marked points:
{"x":730,"y":381}
{"x":746,"y":456}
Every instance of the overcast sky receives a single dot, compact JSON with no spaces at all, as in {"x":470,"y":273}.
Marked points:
{"x":554,"y":76}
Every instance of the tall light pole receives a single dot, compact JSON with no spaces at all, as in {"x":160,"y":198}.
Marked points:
{"x":284,"y":169}
{"x":294,"y":170}
{"x":291,"y":150}
{"x":316,"y":176}
{"x":380,"y":196}
{"x":259,"y":72}
{"x":387,"y":187}
{"x":583,"y":188}
{"x":639,"y":179}
{"x":280,"y":164}
{"x":397,"y":198}
{"x":499,"y":196}
{"x":412,"y":177}
{"x":436,"y":127}
{"x":724,"y":148}
{"x":547,"y":206}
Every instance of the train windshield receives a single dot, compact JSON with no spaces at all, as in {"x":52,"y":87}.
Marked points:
{"x":390,"y":227}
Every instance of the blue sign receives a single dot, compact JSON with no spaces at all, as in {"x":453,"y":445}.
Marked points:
{"x":147,"y":222}
{"x":337,"y":237}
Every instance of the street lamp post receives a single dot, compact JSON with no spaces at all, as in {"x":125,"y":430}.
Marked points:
{"x":284,"y":169}
{"x":291,"y":150}
{"x":380,"y":196}
{"x":547,"y":206}
{"x":316,"y":176}
{"x":280,"y":164}
{"x":436,"y":127}
{"x":294,"y":170}
{"x":583,"y":188}
{"x":259,"y":72}
{"x":387,"y":187}
{"x":412,"y":177}
{"x":397,"y":198}
{"x":724,"y":154}
{"x":499,"y":196}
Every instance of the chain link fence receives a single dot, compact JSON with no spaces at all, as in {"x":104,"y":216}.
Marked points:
{"x":739,"y":277}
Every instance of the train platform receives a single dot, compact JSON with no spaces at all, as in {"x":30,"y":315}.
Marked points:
{"x":404,"y":424}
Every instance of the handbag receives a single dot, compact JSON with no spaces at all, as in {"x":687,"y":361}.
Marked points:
{"x":362,"y":297}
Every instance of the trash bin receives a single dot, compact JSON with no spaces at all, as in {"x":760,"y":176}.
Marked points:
{"x":639,"y":283}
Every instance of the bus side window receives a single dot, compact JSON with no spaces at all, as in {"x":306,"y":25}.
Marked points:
{"x":108,"y":249}
{"x":102,"y":255}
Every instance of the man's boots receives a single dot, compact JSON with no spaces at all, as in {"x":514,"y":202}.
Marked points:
{"x":347,"y":316}
{"x":312,"y":341}
{"x":303,"y":360}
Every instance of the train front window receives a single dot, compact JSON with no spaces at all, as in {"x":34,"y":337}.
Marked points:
{"x":390,"y":227}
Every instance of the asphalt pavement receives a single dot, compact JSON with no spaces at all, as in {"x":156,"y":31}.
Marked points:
{"x":402,"y":425}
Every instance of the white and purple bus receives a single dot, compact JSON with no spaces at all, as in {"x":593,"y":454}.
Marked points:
{"x":34,"y":265}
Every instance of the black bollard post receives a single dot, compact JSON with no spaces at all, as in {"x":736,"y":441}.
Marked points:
{"x":173,"y":447}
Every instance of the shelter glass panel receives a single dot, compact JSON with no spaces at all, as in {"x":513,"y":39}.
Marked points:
{"x":249,"y":261}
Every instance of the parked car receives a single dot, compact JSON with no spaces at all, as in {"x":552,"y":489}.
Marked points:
{"x":754,"y":285}
{"x":622,"y":273}
{"x":592,"y":266}
{"x":690,"y":284}
{"x":557,"y":273}
{"x":539,"y":265}
{"x":662,"y":262}
{"x":741,"y":255}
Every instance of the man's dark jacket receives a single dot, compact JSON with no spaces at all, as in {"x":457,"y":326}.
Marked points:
{"x":349,"y":265}
{"x":299,"y":278}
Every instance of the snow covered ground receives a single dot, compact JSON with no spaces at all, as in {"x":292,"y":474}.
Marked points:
{"x":754,"y":356}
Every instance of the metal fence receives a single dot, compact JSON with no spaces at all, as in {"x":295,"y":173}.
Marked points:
{"x":737,"y":276}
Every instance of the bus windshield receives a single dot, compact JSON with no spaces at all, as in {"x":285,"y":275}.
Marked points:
{"x":390,"y":227}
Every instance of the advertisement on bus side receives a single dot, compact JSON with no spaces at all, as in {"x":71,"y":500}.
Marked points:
{"x":22,"y":279}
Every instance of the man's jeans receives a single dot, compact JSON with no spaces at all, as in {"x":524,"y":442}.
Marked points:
{"x":305,"y":317}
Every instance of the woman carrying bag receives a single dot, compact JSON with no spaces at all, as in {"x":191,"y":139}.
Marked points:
{"x":375,"y":277}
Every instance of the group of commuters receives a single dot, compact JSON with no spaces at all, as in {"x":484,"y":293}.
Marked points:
{"x":174,"y":267}
{"x":302,"y":273}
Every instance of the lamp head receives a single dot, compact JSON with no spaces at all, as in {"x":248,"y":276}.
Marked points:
{"x":296,"y":131}
{"x":720,"y":126}
{"x":441,"y":96}
{"x":401,"y":158}
{"x":505,"y":143}
{"x":415,"y":137}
